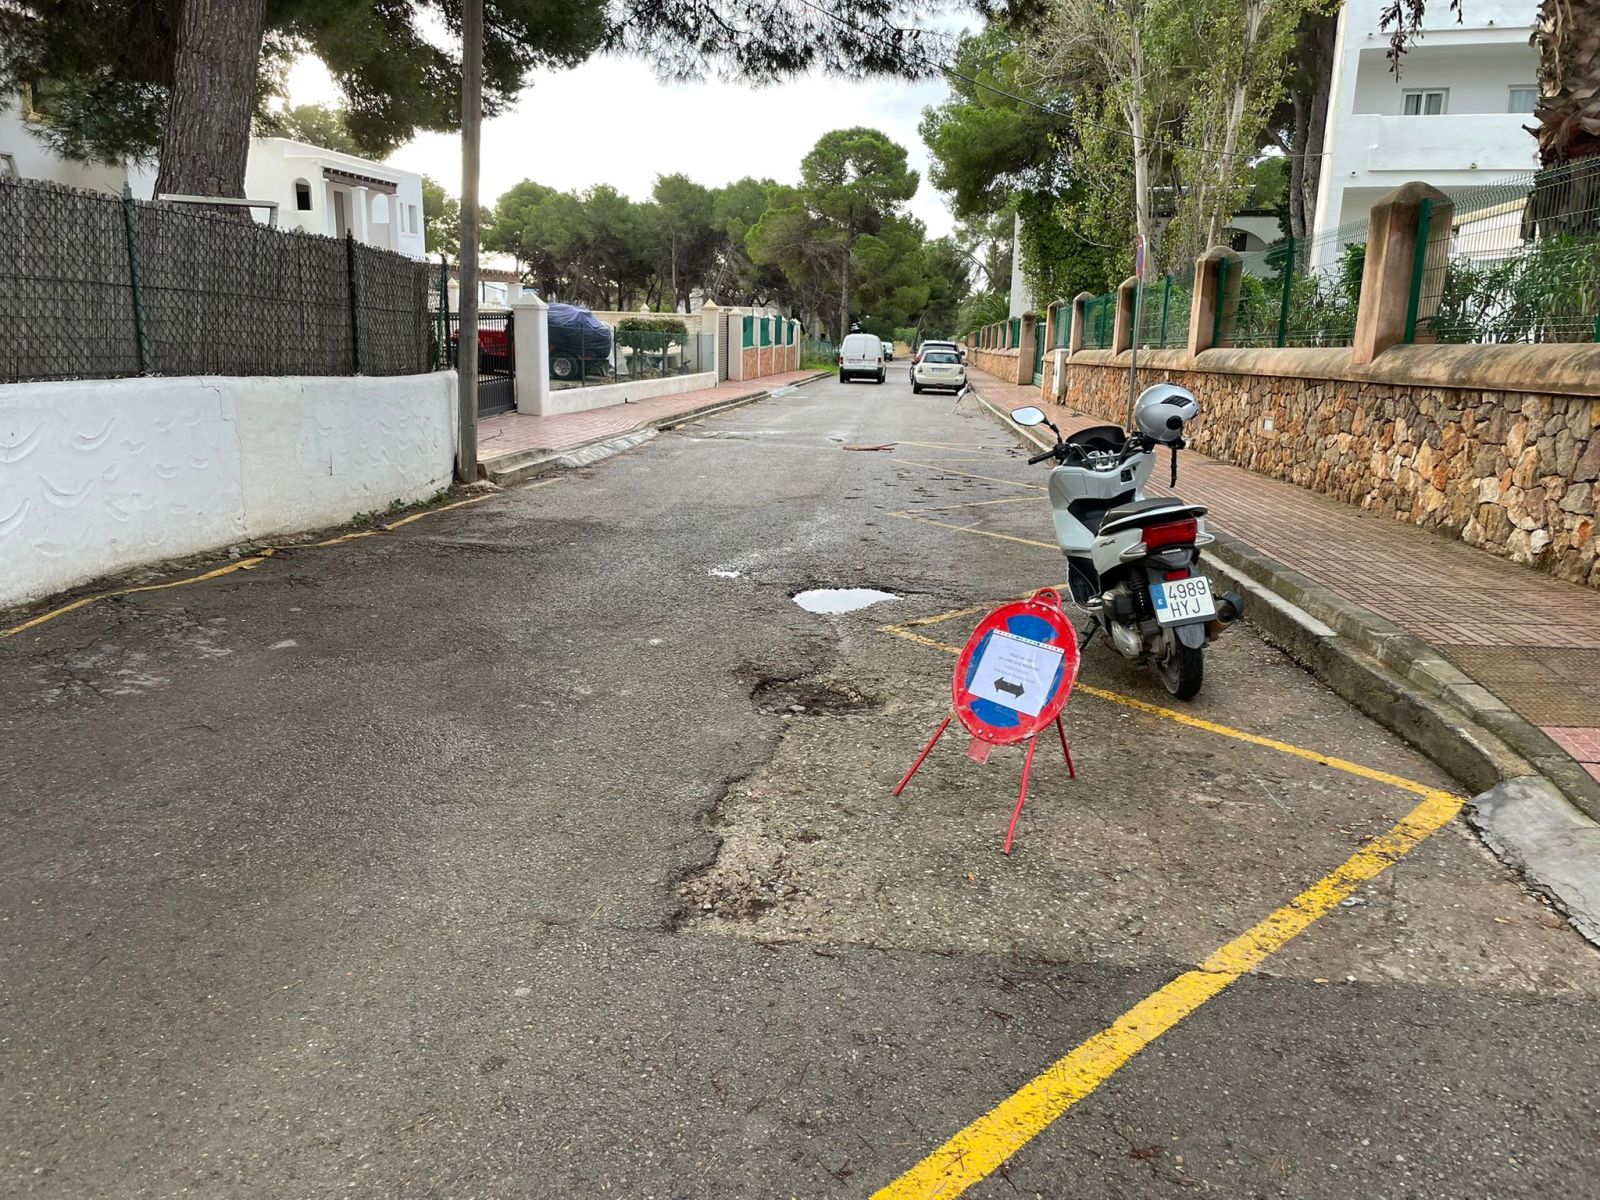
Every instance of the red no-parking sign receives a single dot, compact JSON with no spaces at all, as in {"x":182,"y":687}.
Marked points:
{"x":1012,"y":679}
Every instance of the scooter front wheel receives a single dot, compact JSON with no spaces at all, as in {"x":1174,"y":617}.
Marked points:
{"x":1182,"y":668}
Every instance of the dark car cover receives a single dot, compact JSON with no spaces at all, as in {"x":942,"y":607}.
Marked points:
{"x":578,"y":332}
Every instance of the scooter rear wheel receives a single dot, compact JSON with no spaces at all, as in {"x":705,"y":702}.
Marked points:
{"x":1182,"y":668}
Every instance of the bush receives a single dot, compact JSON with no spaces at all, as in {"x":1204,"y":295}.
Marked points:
{"x":671,"y":326}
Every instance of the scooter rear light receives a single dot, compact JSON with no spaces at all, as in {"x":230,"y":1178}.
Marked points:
{"x":1177,"y":575}
{"x":1177,"y":533}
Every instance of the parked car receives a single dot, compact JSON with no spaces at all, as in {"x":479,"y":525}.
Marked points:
{"x":938,"y":368}
{"x":934,"y":344}
{"x":888,"y":352}
{"x":580,"y":343}
{"x":494,"y":348}
{"x":861,"y":356}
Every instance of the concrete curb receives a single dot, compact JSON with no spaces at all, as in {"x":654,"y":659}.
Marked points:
{"x":1534,"y":807}
{"x":523,"y":465}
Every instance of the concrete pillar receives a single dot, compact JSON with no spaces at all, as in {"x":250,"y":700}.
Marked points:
{"x":1079,"y":309}
{"x":1395,"y":256}
{"x":710,"y":347}
{"x":736,"y":343}
{"x":1122,"y":329}
{"x":531,"y":336}
{"x":360,"y":215}
{"x":1214,"y":285}
{"x":1027,"y":329}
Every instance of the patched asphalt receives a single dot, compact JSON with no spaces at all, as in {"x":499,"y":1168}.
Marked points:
{"x":545,"y":848}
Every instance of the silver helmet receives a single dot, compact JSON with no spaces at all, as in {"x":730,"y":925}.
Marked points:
{"x":1162,"y":410}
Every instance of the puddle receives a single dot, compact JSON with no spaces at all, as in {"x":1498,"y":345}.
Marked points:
{"x":841,"y":600}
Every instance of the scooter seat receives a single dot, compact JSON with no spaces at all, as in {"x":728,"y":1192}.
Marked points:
{"x":1147,"y":512}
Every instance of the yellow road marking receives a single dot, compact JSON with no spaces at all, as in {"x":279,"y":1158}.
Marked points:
{"x":984,"y":1145}
{"x":927,"y":508}
{"x":244,"y":564}
{"x":1003,"y":537}
{"x":903,"y":630}
{"x":911,"y":462}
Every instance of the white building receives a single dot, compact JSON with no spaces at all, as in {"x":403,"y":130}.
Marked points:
{"x":324,"y":191}
{"x":1455,"y":117}
{"x":316,"y":190}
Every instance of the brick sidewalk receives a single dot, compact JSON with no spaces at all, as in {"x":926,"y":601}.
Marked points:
{"x":516,"y":433}
{"x":1532,"y":640}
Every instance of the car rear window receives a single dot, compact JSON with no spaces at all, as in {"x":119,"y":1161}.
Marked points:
{"x":941,"y":356}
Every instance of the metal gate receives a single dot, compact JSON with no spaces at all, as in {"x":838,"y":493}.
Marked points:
{"x":1038,"y":353}
{"x":497,"y":360}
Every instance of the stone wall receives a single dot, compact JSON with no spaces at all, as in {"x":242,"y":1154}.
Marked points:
{"x":1001,"y":363}
{"x":1499,"y":446}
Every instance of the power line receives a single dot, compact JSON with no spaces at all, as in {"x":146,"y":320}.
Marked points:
{"x":1135,"y":139}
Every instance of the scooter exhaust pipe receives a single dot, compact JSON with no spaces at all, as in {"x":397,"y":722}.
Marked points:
{"x":1230,"y":607}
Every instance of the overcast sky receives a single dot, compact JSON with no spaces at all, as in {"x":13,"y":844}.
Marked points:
{"x":712,"y":132}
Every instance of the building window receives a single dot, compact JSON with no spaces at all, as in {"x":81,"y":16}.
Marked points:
{"x":411,"y":211}
{"x":8,"y":167}
{"x":302,"y":195}
{"x":1522,"y":98}
{"x":1423,"y":102}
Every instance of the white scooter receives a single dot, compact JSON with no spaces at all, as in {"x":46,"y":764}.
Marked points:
{"x":1133,"y":563}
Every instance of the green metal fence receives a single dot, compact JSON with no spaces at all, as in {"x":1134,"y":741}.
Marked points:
{"x":1167,"y":301}
{"x":1521,"y":262}
{"x":1099,"y":321}
{"x":1301,"y":292}
{"x":1063,"y":325}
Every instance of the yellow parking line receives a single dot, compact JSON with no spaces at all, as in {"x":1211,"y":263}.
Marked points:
{"x":911,"y":462}
{"x":903,"y":630}
{"x":244,"y":564}
{"x":984,"y":1145}
{"x":1003,"y":537}
{"x":927,"y":508}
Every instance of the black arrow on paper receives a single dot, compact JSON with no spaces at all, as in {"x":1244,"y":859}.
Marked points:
{"x":1005,"y":685}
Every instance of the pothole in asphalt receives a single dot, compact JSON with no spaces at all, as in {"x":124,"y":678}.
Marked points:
{"x":811,"y":698}
{"x":841,"y":600}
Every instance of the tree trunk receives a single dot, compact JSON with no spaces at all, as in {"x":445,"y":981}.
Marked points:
{"x":207,"y":136}
{"x":844,"y":294}
{"x":1318,"y":66}
{"x":1567,"y":35}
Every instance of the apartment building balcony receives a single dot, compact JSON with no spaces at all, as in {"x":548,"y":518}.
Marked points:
{"x":1453,"y":149}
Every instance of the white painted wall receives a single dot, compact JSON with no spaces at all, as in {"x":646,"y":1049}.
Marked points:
{"x":1370,"y":148}
{"x":35,"y":160}
{"x":97,"y":476}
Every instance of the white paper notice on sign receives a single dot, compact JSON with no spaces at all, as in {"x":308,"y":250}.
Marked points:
{"x":1016,"y":673}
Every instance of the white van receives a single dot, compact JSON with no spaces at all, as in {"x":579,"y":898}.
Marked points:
{"x":861,"y":355}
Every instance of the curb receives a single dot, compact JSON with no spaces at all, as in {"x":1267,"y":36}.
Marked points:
{"x":523,"y":465}
{"x":1534,"y":806}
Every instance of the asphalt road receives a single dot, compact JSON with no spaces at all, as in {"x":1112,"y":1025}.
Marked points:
{"x":544,"y":848}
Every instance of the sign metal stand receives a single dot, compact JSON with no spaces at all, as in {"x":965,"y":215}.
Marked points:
{"x":1011,"y":682}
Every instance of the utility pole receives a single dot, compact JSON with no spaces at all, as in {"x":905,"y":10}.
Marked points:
{"x":471,"y":132}
{"x":1139,"y":252}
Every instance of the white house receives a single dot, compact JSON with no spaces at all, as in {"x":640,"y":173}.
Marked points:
{"x":1454,"y":118}
{"x":23,"y":155}
{"x":324,"y":191}
{"x":317,"y":190}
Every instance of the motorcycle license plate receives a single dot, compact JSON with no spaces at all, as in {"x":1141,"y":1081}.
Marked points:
{"x":1179,"y":601}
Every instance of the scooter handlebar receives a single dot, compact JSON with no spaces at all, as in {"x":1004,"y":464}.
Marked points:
{"x":1039,"y":458}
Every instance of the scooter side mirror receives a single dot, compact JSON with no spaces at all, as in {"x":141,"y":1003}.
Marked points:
{"x":1027,"y":417}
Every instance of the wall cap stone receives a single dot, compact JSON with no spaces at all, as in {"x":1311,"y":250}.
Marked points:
{"x":1551,"y":369}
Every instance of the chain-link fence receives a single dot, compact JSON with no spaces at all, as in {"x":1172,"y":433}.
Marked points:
{"x":92,"y":286}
